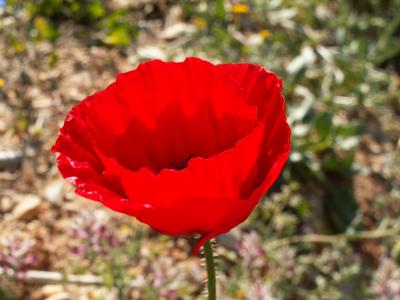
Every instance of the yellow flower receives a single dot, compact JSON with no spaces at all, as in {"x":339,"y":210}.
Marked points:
{"x":199,"y":23}
{"x":240,"y":8}
{"x":125,"y":230}
{"x":2,"y":82}
{"x":265,"y":33}
{"x":19,"y":47}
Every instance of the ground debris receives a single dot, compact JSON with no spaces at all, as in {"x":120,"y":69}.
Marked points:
{"x":27,"y":209}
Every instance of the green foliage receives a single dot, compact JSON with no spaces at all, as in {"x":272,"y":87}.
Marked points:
{"x":220,"y":11}
{"x":44,"y":29}
{"x":321,"y":81}
{"x":5,"y":295}
{"x":114,"y":27}
{"x":83,"y":12}
{"x":119,"y":31}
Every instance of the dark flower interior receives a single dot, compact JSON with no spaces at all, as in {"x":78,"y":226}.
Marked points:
{"x":177,"y":138}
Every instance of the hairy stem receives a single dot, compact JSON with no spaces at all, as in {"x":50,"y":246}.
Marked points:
{"x":211,"y":280}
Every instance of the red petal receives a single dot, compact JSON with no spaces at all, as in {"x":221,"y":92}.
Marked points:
{"x":184,"y":147}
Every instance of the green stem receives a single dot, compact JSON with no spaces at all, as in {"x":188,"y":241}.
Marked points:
{"x":211,"y":281}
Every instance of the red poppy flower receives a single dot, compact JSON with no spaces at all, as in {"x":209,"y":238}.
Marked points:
{"x":184,"y":147}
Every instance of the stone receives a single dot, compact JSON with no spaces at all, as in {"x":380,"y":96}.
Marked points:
{"x":151,"y":52}
{"x":6,"y":204}
{"x":54,"y":191}
{"x":27,"y":208}
{"x":52,"y":289}
{"x":176,"y":30}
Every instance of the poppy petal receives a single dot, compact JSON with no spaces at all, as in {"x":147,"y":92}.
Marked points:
{"x":184,"y":147}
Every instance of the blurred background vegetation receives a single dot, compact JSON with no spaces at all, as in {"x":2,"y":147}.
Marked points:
{"x":329,"y":228}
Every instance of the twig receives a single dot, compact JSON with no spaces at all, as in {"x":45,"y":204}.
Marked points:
{"x":10,"y":160}
{"x":37,"y":276}
{"x":332,"y":239}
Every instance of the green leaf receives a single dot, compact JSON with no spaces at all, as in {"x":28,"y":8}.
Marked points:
{"x":342,"y":207}
{"x":45,"y":29}
{"x":119,"y":36}
{"x":337,"y":164}
{"x":96,"y":10}
{"x":220,"y":11}
{"x":352,"y":129}
{"x":323,"y":125}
